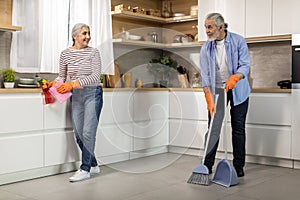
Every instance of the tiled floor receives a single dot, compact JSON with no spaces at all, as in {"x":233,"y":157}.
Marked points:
{"x":158,"y":177}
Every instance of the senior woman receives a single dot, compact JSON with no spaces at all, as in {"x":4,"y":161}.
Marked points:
{"x":83,"y":66}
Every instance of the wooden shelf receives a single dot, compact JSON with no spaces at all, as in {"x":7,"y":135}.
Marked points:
{"x":276,"y":38}
{"x":10,"y":28}
{"x":139,"y":16}
{"x":149,"y":44}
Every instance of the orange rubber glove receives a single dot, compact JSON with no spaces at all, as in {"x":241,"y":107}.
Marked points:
{"x":68,"y":86}
{"x":211,"y":107}
{"x":48,"y":84}
{"x":231,"y":82}
{"x":65,"y":87}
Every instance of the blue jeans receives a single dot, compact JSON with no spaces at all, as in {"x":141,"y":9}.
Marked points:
{"x":86,"y":108}
{"x":238,"y":121}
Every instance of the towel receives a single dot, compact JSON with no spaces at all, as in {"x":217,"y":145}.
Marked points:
{"x":58,"y":96}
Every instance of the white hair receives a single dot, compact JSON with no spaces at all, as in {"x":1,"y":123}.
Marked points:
{"x":76,"y":30}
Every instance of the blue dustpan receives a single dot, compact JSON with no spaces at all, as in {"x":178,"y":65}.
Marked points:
{"x":225,"y":174}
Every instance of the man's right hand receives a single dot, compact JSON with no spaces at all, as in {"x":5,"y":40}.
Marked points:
{"x":211,"y":107}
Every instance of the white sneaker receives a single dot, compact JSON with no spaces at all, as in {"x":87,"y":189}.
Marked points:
{"x":94,"y":170}
{"x":80,"y":175}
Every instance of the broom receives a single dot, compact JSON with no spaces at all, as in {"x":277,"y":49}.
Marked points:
{"x":200,"y":174}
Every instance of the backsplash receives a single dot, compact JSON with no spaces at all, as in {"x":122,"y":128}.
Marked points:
{"x":270,"y":61}
{"x":5,"y":44}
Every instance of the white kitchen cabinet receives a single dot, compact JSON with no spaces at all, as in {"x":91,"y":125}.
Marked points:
{"x":271,"y":141}
{"x":113,"y":140}
{"x":23,"y":109}
{"x":65,"y":151}
{"x":270,"y":109}
{"x":117,"y":107}
{"x":150,"y":134}
{"x":188,"y":105}
{"x":285,"y":17}
{"x":151,"y":119}
{"x":188,"y":119}
{"x":21,"y":152}
{"x":258,"y":18}
{"x":151,"y":105}
{"x":233,"y":12}
{"x":187,"y":133}
{"x":57,"y":115}
{"x":60,"y":147}
{"x":296,"y":124}
{"x":115,"y":131}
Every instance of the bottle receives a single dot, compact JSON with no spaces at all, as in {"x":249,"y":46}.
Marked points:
{"x":37,"y":79}
{"x":125,"y":34}
{"x":165,"y":12}
{"x":154,"y":37}
{"x":171,"y":9}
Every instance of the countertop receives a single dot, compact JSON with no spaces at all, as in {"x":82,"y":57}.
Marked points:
{"x":38,"y":90}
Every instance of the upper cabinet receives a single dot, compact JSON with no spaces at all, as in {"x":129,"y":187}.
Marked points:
{"x":285,"y":17}
{"x":6,"y":16}
{"x":232,"y":10}
{"x":258,"y":18}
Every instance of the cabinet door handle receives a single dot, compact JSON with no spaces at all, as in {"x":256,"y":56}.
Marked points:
{"x":297,"y":49}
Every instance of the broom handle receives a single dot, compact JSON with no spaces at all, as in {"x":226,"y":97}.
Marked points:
{"x":225,"y":124}
{"x":209,"y":130}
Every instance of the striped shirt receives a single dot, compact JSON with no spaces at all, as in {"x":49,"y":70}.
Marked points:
{"x":84,"y":65}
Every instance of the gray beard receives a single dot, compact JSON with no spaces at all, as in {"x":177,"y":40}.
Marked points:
{"x":214,"y":37}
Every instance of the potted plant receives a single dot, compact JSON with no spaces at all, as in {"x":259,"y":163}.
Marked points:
{"x":8,"y":75}
{"x":162,"y":67}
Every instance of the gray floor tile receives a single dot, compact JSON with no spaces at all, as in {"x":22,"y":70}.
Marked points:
{"x":158,"y":177}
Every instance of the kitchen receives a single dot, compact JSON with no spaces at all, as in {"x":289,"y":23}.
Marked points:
{"x":270,"y":55}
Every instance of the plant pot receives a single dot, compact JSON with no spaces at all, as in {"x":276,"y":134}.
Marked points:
{"x":9,"y":84}
{"x":163,"y":83}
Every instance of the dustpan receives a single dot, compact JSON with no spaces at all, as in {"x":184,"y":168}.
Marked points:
{"x":225,"y":174}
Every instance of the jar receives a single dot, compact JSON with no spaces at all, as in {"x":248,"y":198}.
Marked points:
{"x":196,"y":80}
{"x":139,"y":83}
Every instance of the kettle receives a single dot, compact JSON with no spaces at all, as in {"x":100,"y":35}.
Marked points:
{"x":284,"y":84}
{"x":154,"y":37}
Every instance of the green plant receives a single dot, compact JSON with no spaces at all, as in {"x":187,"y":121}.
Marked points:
{"x":102,"y":77}
{"x":163,"y":66}
{"x":8,"y":75}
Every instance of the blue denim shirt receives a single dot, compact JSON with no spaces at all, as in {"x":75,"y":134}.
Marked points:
{"x":238,"y":61}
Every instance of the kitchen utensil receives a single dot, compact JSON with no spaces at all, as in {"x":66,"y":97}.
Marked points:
{"x":178,"y":15}
{"x":154,"y":37}
{"x":127,"y":79}
{"x":200,"y":173}
{"x":26,"y":81}
{"x":225,"y":174}
{"x":134,"y":37}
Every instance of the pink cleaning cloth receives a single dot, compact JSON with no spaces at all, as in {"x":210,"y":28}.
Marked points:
{"x":58,"y":96}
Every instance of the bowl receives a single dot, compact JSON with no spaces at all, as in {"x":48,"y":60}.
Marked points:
{"x":134,"y":37}
{"x":26,"y":81}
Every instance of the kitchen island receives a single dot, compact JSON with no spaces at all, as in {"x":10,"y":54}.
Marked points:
{"x":37,"y":140}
